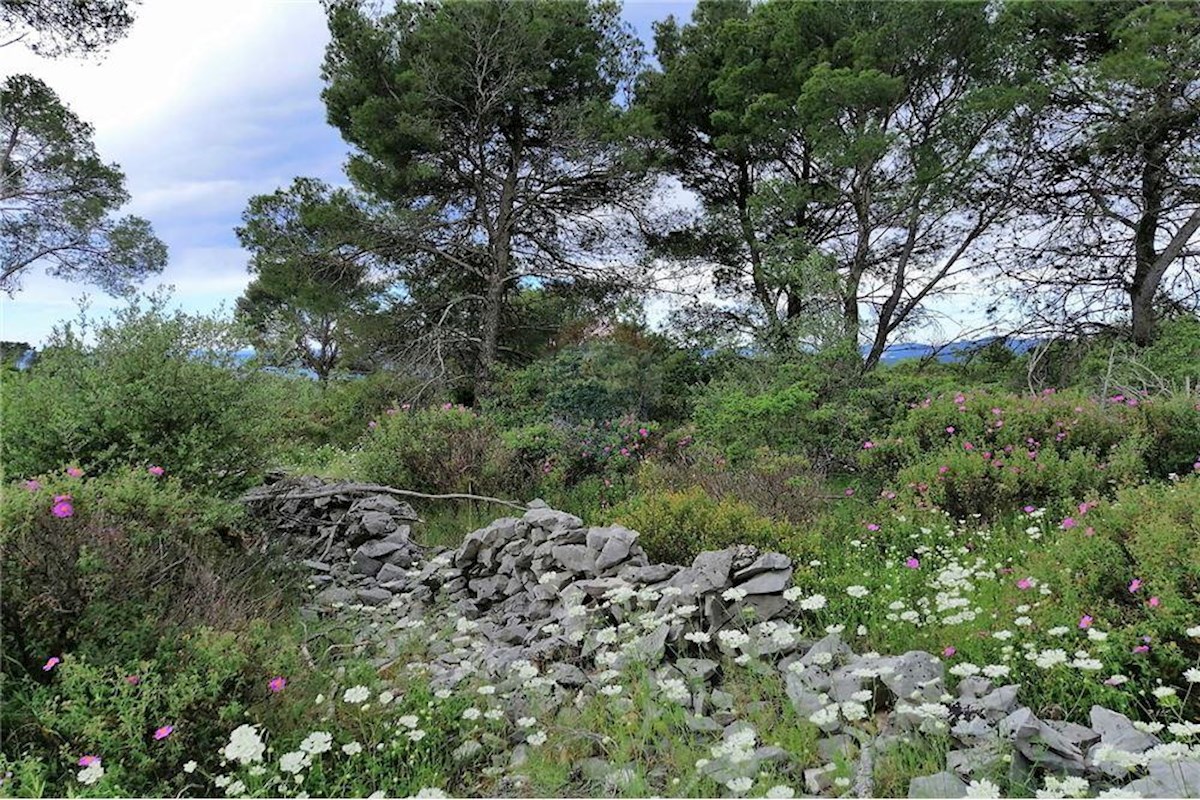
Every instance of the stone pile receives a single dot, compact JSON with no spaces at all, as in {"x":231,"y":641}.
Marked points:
{"x":541,"y":592}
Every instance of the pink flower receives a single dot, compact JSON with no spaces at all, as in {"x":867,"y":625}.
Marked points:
{"x":75,"y":472}
{"x":372,"y":425}
{"x":1025,"y":583}
{"x":1141,"y":648}
{"x":447,"y":406}
{"x":62,"y":507}
{"x":277,"y":683}
{"x":51,"y":663}
{"x":1029,"y":509}
{"x":406,"y":407}
{"x":1085,"y":621}
{"x":1155,"y":602}
{"x":968,"y":446}
{"x":912,"y":563}
{"x":156,"y":471}
{"x":1113,"y":681}
{"x":1089,"y":531}
{"x":849,"y":493}
{"x":164,"y":732}
{"x":867,"y":445}
{"x":34,"y":486}
{"x":87,"y":761}
{"x":642,"y":432}
{"x":949,"y":429}
{"x":942,"y":470}
{"x":949,"y":651}
{"x":1135,"y":584}
{"x":871,"y":526}
{"x":1068,"y":523}
{"x":132,"y":680}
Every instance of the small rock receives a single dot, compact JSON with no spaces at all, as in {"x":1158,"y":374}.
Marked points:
{"x":943,"y":784}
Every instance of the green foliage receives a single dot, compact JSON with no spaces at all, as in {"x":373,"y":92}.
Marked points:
{"x":138,"y":556}
{"x":59,"y":197}
{"x":155,"y":388}
{"x":676,"y":526}
{"x":437,"y":450}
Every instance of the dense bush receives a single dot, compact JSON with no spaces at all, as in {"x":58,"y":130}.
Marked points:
{"x":104,"y":566}
{"x":676,"y":526}
{"x":987,"y":453}
{"x":154,"y":388}
{"x":438,"y":450}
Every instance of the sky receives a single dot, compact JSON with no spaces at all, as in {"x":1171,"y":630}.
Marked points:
{"x":203,"y":104}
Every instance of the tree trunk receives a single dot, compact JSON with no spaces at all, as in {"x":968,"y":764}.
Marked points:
{"x":1144,"y":285}
{"x":490,"y":334}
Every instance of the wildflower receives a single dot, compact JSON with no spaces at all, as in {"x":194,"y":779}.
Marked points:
{"x":416,"y":736}
{"x":1163,"y":692}
{"x":132,"y":680}
{"x":781,"y":792}
{"x":1135,"y":584}
{"x":912,"y":563}
{"x":294,"y":762}
{"x":867,"y":445}
{"x":1192,"y":675}
{"x":982,"y":788}
{"x":1085,"y":621}
{"x":949,"y":651}
{"x":536,"y":739}
{"x":163,"y":732}
{"x":32,"y":485}
{"x":87,"y":761}
{"x":857,"y":591}
{"x":51,"y":663}
{"x":190,"y":767}
{"x":740,"y":785}
{"x":734,"y":595}
{"x":277,"y":683}
{"x":156,"y":471}
{"x":612,"y":690}
{"x":245,"y":745}
{"x":91,"y":773}
{"x":1024,"y":583}
{"x":814,"y":603}
{"x":317,"y":742}
{"x":409,"y":721}
{"x":1115,"y":680}
{"x":431,"y":792}
{"x":1154,"y":602}
{"x":356,"y":694}
{"x":75,"y":472}
{"x":1068,"y":523}
{"x":62,"y":507}
{"x":472,"y":714}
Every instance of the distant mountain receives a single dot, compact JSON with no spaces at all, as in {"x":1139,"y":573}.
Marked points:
{"x":948,"y":354}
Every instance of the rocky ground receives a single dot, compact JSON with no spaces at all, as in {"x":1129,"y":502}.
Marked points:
{"x":545,"y":603}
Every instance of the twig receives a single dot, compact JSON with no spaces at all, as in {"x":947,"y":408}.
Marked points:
{"x":370,"y":488}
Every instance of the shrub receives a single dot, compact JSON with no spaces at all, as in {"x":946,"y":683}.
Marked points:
{"x":676,"y":526}
{"x":437,"y":450}
{"x":136,"y":557}
{"x":155,"y":388}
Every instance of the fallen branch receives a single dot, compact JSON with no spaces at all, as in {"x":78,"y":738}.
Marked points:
{"x":371,"y":488}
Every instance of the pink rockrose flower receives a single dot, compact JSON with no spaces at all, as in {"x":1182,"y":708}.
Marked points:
{"x":1068,"y":523}
{"x":868,"y":445}
{"x":277,"y":684}
{"x":949,"y":651}
{"x":1085,"y":621}
{"x":156,"y":471}
{"x":849,"y":492}
{"x":1025,"y":583}
{"x":87,"y":761}
{"x":62,"y":507}
{"x":51,"y":663}
{"x":32,"y":485}
{"x":1155,"y":602}
{"x":1135,"y":584}
{"x":164,"y":732}
{"x":75,"y":472}
{"x":912,"y":563}
{"x":132,"y":680}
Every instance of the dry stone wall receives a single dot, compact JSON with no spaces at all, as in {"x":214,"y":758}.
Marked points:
{"x":546,"y":593}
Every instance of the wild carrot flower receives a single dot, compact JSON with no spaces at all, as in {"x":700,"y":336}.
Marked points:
{"x":277,"y":683}
{"x":51,"y":663}
{"x":164,"y":732}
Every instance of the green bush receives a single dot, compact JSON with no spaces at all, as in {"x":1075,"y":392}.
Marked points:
{"x":989,"y":453}
{"x":676,"y":526}
{"x":155,"y":388}
{"x":136,"y":557}
{"x":437,"y":450}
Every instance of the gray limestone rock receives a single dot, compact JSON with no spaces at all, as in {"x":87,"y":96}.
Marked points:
{"x":374,"y":597}
{"x":942,"y":784}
